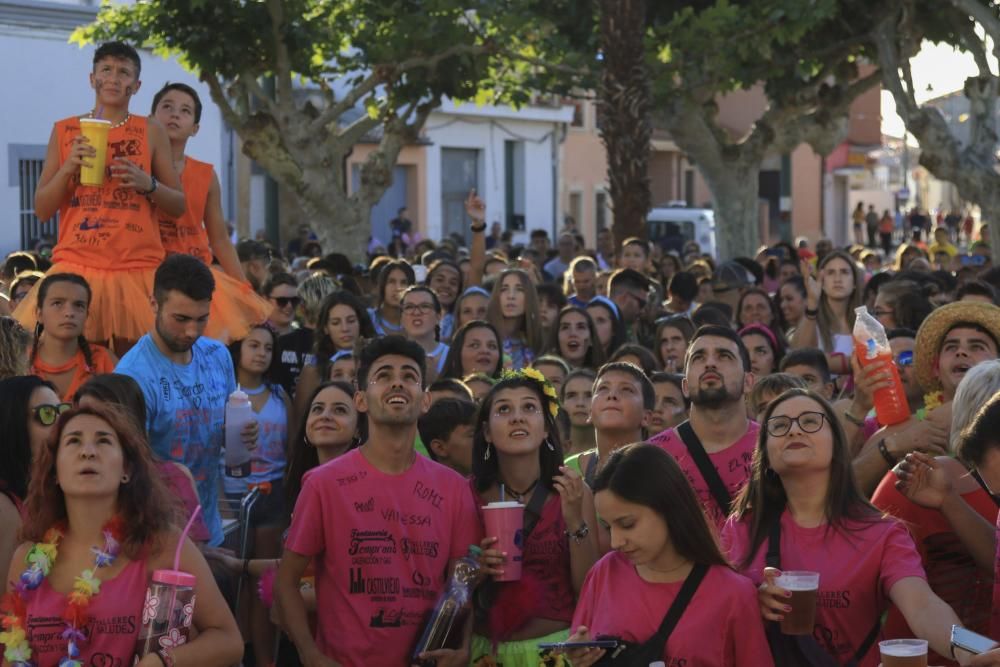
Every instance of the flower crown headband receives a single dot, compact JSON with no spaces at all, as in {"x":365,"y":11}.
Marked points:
{"x":547,"y":389}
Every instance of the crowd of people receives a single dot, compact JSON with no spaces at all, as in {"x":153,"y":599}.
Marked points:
{"x":679,"y":429}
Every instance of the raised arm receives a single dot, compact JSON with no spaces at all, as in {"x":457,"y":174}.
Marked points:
{"x":476,"y":210}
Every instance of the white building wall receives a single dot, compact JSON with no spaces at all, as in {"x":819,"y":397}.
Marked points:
{"x":45,"y":78}
{"x":486,"y":128}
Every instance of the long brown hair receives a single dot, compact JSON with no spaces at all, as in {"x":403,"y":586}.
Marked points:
{"x":826,"y":317}
{"x":763,"y":499}
{"x":645,"y":474}
{"x":531,"y":326}
{"x":147,"y":509}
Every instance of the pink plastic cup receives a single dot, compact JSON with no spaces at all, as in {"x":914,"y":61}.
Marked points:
{"x":505,"y":521}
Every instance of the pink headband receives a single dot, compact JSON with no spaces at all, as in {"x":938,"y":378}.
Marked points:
{"x":763,"y":330}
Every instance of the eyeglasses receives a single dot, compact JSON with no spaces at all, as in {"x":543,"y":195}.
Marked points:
{"x":904,"y":359}
{"x":285,"y":301}
{"x":809,"y":422}
{"x":422,"y":308}
{"x":47,"y":414}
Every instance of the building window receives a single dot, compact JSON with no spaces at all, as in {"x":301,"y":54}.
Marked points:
{"x":576,"y":208}
{"x":28,"y":173}
{"x":601,"y":209}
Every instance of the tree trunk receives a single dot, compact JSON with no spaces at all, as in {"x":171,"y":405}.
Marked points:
{"x":734,"y":187}
{"x":624,"y":107}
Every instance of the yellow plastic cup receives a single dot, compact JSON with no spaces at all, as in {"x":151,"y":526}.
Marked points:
{"x":96,"y":131}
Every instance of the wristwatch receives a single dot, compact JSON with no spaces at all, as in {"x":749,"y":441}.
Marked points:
{"x":152,"y":187}
{"x":580,"y":533}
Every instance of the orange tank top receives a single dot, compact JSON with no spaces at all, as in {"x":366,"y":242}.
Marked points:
{"x":187,"y":234}
{"x":102,"y":363}
{"x":109,"y":227}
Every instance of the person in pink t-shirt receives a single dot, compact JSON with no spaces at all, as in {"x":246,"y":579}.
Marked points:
{"x":802,"y":492}
{"x":717,"y":374}
{"x":517,"y":455}
{"x":382,"y":527}
{"x":661,"y":539}
{"x":98,"y":512}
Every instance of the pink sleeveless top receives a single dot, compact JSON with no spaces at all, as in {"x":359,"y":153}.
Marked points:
{"x":115,"y":618}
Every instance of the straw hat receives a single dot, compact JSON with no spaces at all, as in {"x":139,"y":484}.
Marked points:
{"x":938,"y":324}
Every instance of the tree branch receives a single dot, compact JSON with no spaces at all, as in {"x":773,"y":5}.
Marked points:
{"x":254,"y":89}
{"x":282,"y":63}
{"x":222,"y":100}
{"x":983,"y":15}
{"x":381,"y":74}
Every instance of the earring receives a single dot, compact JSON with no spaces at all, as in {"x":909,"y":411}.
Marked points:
{"x":551,"y":447}
{"x":305,"y":439}
{"x":125,"y":479}
{"x":486,"y":456}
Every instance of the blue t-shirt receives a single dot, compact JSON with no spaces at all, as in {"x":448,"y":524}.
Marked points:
{"x":185,"y":412}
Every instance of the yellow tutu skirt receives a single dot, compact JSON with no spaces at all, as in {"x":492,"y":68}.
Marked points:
{"x":122,"y":307}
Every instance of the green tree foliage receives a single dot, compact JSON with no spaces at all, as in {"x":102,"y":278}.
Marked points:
{"x":326,"y":58}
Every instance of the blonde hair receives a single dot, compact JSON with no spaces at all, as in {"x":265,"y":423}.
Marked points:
{"x":14,"y":341}
{"x":980,"y":383}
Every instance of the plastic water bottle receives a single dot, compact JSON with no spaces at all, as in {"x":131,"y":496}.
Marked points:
{"x":239,"y":413}
{"x":444,"y":628}
{"x":871,"y":345}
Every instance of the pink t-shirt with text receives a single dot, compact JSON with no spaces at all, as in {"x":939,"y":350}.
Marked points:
{"x":858,"y":566}
{"x":381,"y":545}
{"x":721,"y":626}
{"x":733,"y":464}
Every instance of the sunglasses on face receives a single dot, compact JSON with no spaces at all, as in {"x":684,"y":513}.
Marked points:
{"x":285,"y":301}
{"x":48,"y":414}
{"x":904,"y":359}
{"x":809,"y":422}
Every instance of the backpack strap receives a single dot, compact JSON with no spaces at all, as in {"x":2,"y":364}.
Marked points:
{"x":708,"y":472}
{"x":533,"y":510}
{"x":677,"y":607}
{"x":591,"y":472}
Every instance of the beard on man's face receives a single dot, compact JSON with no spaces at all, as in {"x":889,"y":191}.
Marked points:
{"x":714,"y":397}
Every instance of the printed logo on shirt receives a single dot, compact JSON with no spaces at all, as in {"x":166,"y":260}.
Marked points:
{"x":396,"y":618}
{"x":371,"y":542}
{"x":833,"y":599}
{"x":379,"y":589}
{"x":418,"y":548}
{"x":45,"y":634}
{"x":832,"y":640}
{"x":366,"y":506}
{"x":428,"y":494}
{"x":87,"y":225}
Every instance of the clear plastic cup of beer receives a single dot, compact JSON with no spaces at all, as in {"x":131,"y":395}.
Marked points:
{"x":804,"y":587}
{"x":903,"y":652}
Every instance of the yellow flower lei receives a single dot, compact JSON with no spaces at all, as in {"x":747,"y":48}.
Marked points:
{"x":547,"y":388}
{"x":933,"y":400}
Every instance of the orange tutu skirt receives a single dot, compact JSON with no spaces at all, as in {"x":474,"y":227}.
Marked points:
{"x":235,"y":308}
{"x":121,"y":307}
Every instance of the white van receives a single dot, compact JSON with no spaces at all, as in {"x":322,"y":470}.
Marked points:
{"x":672,"y":226}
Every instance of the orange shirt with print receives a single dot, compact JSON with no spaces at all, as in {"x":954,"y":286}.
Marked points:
{"x":102,"y":363}
{"x":187,"y":234}
{"x":109,"y":227}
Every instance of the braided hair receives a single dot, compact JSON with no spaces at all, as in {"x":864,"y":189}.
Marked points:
{"x":43,"y":288}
